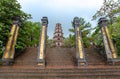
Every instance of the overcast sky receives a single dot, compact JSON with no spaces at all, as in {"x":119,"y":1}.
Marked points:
{"x":61,"y":11}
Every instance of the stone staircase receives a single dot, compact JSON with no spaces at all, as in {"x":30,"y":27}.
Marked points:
{"x":60,"y":57}
{"x":93,"y":57}
{"x":67,"y":73}
{"x":27,"y":58}
{"x":60,"y":64}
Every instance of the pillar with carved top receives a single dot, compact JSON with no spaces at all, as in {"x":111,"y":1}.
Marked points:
{"x":42,"y":45}
{"x":8,"y":56}
{"x":80,"y":54}
{"x":109,"y":47}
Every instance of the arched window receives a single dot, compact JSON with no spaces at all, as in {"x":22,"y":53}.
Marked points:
{"x":58,"y":44}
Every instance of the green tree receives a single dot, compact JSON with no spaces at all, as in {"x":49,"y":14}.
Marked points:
{"x":116,"y":34}
{"x":49,"y":43}
{"x":70,"y":41}
{"x":96,"y":37}
{"x":9,"y":9}
{"x":29,"y":35}
{"x":109,"y":9}
{"x":114,"y":31}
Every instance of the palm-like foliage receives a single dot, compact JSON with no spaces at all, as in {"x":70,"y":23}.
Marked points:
{"x":116,"y":34}
{"x":29,"y":34}
{"x":96,"y":37}
{"x":114,"y":31}
{"x":85,"y":29}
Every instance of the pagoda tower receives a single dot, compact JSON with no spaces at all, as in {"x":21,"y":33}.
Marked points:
{"x":58,"y":36}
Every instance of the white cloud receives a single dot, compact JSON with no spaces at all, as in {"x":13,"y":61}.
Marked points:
{"x":60,"y":11}
{"x":62,"y":4}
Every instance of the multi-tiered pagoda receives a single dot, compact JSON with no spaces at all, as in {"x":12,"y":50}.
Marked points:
{"x":58,"y":36}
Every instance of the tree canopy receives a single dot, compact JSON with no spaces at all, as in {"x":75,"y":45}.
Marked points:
{"x":29,"y":31}
{"x":110,"y":10}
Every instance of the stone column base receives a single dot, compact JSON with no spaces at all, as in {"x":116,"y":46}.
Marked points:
{"x":113,"y":61}
{"x":82,"y":62}
{"x":41,"y":62}
{"x":7,"y":61}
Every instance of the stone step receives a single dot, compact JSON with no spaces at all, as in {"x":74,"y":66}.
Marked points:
{"x":58,"y":55}
{"x":82,"y":69}
{"x":66,"y":74}
{"x":68,"y":77}
{"x":60,"y":64}
{"x":92,"y":72}
{"x":28,"y":75}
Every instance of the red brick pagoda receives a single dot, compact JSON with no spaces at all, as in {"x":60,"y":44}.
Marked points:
{"x":58,"y":36}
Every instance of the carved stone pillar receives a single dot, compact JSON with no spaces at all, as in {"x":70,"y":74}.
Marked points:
{"x":8,"y":56}
{"x":109,"y":47}
{"x":42,"y":45}
{"x":80,"y":55}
